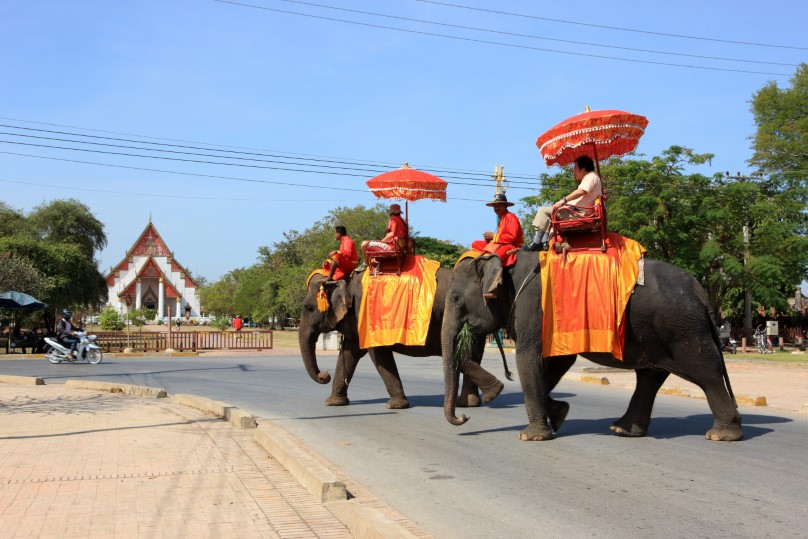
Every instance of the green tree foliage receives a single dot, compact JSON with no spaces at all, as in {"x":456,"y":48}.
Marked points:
{"x":18,"y":273}
{"x":697,"y":223}
{"x":58,"y":239}
{"x":445,"y":252}
{"x":110,"y":320}
{"x":139,"y":317}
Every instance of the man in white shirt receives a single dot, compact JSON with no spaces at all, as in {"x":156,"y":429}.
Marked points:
{"x":588,"y":190}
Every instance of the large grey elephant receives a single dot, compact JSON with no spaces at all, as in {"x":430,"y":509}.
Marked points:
{"x":669,"y":329}
{"x":344,"y":300}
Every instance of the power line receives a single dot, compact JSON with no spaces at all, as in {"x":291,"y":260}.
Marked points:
{"x":533,"y":36}
{"x":328,"y":167}
{"x":284,"y":169}
{"x":501,"y":44}
{"x":273,"y":153}
{"x":681,"y":36}
{"x":211,"y":176}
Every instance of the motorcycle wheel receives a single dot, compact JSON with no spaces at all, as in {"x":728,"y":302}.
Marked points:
{"x":93,"y":356}
{"x":51,"y":356}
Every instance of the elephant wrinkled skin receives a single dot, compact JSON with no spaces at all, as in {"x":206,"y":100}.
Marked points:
{"x":669,"y":329}
{"x":344,"y":299}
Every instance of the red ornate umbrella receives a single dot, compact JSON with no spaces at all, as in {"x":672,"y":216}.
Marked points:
{"x":408,"y":184}
{"x":599,"y":134}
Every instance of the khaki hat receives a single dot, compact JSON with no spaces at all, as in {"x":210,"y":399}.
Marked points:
{"x":394,"y":209}
{"x":499,"y":198}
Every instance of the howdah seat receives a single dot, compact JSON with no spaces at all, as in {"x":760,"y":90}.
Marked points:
{"x":382,"y":261}
{"x":580,"y":227}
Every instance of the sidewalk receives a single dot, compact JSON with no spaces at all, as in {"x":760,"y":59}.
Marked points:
{"x":84,"y":463}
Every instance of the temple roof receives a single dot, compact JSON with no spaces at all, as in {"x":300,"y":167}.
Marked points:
{"x":150,"y":243}
{"x":150,"y":269}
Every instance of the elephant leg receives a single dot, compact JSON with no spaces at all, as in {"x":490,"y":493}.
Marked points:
{"x":388,"y":370}
{"x":554,"y":369}
{"x":469,"y":395}
{"x":635,"y":421}
{"x":347,"y":361}
{"x":726,"y":419}
{"x":537,"y":393}
{"x":489,"y":384}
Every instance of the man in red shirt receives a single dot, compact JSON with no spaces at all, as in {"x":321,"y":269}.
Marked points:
{"x":344,"y":260}
{"x":508,"y":236}
{"x":396,"y":227}
{"x":237,"y":323}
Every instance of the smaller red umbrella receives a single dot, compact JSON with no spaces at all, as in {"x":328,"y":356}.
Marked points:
{"x":408,"y":184}
{"x":598,"y":133}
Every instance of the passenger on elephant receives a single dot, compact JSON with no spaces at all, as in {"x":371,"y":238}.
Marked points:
{"x":585,"y":195}
{"x":396,"y":228}
{"x":344,"y":260}
{"x":508,"y":236}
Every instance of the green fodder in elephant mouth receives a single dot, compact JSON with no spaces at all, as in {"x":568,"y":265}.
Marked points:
{"x":464,"y":344}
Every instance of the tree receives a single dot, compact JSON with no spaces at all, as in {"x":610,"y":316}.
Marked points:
{"x":59,"y":240}
{"x":445,"y":252}
{"x":18,"y":273}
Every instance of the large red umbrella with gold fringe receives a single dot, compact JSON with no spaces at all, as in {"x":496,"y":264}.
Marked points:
{"x":600,"y":134}
{"x":408,"y":184}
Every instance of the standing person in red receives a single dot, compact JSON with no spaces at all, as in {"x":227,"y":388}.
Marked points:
{"x":508,"y":236}
{"x":237,"y":323}
{"x":344,"y":260}
{"x":396,"y":227}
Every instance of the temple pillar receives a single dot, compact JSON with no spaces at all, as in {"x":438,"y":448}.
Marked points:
{"x":161,"y":299}
{"x":138,"y":295}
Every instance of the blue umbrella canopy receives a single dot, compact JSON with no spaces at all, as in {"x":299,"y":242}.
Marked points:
{"x":19,"y":300}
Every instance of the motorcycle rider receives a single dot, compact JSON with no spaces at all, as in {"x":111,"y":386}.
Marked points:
{"x":66,"y":333}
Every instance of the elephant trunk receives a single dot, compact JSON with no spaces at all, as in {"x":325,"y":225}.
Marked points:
{"x":308,"y":345}
{"x":451,"y":374}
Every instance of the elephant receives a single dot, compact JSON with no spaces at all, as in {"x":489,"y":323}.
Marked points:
{"x":342,"y":315}
{"x":669,"y":328}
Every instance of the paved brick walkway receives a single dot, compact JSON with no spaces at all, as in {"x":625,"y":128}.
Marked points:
{"x":77,"y":463}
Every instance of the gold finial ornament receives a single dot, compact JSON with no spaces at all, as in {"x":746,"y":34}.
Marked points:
{"x":500,"y":183}
{"x":587,"y":109}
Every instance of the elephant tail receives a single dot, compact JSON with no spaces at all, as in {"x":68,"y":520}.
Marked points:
{"x":717,"y":340}
{"x":508,"y":373}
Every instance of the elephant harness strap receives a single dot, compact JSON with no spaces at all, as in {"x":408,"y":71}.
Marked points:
{"x":584,"y":297}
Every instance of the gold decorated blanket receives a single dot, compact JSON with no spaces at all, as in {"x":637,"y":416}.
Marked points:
{"x":396,"y":309}
{"x":584,"y":299}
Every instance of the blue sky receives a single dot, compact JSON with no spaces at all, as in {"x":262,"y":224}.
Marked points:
{"x":315,"y":88}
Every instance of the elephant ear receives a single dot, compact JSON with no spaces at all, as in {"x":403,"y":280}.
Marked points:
{"x":340,"y":303}
{"x":489,"y":269}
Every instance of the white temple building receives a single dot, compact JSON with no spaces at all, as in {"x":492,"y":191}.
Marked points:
{"x":150,"y":276}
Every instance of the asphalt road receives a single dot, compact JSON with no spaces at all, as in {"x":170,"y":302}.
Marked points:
{"x":479,"y":480}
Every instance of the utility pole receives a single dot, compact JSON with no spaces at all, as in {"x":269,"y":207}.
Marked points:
{"x":747,"y":297}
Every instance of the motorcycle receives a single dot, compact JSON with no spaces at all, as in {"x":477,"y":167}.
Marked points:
{"x":728,"y":344}
{"x":86,"y":349}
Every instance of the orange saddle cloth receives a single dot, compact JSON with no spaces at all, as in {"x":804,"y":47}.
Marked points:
{"x":584,"y":299}
{"x":396,"y":309}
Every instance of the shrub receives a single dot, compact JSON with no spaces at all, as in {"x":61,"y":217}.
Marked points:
{"x":110,"y":319}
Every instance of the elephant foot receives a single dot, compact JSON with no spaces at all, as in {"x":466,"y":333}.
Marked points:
{"x":337,"y":400}
{"x":398,"y":403}
{"x":558,"y":413}
{"x":626,"y":429}
{"x":536,"y":433}
{"x":469,"y":401}
{"x":493,"y":392}
{"x":725,"y":433}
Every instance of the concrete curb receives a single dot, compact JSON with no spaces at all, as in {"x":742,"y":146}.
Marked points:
{"x":367,"y":522}
{"x":110,"y":387}
{"x":746,"y":400}
{"x":23,"y":380}
{"x":315,"y":477}
{"x":228,"y":412}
